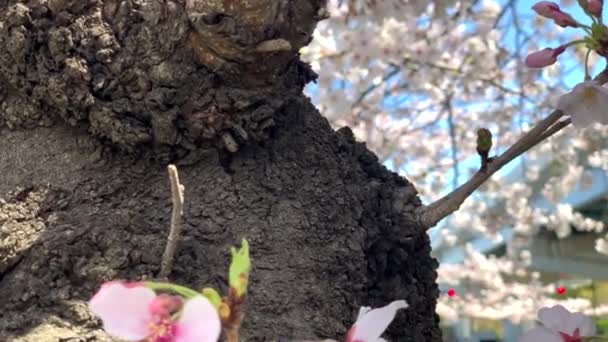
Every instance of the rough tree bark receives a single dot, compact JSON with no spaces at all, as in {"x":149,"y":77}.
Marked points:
{"x":97,"y":96}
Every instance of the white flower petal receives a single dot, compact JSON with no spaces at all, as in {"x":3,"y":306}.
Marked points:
{"x":372,"y":323}
{"x":540,"y":334}
{"x":199,"y":322}
{"x":585,"y":104}
{"x":362,"y":311}
{"x":585,"y":325}
{"x":123,"y":310}
{"x":559,"y":319}
{"x":554,"y":317}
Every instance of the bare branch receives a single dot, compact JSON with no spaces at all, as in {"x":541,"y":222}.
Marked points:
{"x":438,"y":210}
{"x":370,"y":89}
{"x":430,"y":215}
{"x":177,"y":196}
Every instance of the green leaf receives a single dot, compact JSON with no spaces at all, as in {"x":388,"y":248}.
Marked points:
{"x":213,"y":296}
{"x":238,"y":276}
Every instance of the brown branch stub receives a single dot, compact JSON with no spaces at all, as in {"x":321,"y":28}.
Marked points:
{"x":177,"y":196}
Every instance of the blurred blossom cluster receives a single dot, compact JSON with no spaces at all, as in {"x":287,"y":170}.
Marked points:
{"x":500,"y":288}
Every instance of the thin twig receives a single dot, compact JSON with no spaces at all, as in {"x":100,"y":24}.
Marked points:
{"x":435,"y":212}
{"x":177,"y":196}
{"x":371,"y":88}
{"x":552,"y":130}
{"x":430,"y":215}
{"x":452,"y":201}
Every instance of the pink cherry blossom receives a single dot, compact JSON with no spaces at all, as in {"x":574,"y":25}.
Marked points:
{"x":544,"y":57}
{"x":560,"y":325}
{"x":135,"y":313}
{"x":371,"y":324}
{"x":165,"y":304}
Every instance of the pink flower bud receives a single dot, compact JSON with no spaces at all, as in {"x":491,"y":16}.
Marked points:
{"x":564,"y":19}
{"x":551,"y":10}
{"x":544,"y":57}
{"x":546,"y":8}
{"x":595,"y":7}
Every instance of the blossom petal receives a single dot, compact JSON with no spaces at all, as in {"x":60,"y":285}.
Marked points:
{"x":554,"y":317}
{"x":584,"y":324}
{"x":362,"y":311}
{"x":123,"y":310}
{"x":372,"y":323}
{"x":585,"y":104}
{"x":559,"y":319}
{"x":199,"y":322}
{"x":540,"y":334}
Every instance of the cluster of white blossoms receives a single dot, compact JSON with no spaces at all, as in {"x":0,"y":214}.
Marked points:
{"x":415,"y":79}
{"x":499,"y":288}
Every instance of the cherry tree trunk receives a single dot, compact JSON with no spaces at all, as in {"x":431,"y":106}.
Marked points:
{"x":98,"y":96}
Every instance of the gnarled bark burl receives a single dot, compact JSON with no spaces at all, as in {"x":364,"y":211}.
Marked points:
{"x":97,"y":96}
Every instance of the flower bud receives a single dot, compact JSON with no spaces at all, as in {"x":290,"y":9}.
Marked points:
{"x":484,"y":140}
{"x":546,"y":8}
{"x":595,"y":7}
{"x":544,"y":57}
{"x":551,"y":10}
{"x":564,"y":19}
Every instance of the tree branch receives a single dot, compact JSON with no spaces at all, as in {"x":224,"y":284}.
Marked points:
{"x":371,"y":88}
{"x":438,"y":210}
{"x":177,"y":196}
{"x":430,"y":215}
